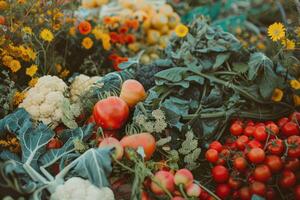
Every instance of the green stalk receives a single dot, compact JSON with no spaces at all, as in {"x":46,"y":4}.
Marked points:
{"x":182,"y":191}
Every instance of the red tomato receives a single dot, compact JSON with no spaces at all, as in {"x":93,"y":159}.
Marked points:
{"x":221,"y":161}
{"x":258,"y":188}
{"x":203,"y":195}
{"x":249,"y":130}
{"x":2,"y":20}
{"x":272,"y":128}
{"x":240,"y":163}
{"x":54,"y":144}
{"x":276,"y":147}
{"x":111,"y":113}
{"x":259,"y":124}
{"x":290,"y":128}
{"x":245,"y":193}
{"x":212,"y":155}
{"x":223,"y":191}
{"x":282,"y":121}
{"x":242,"y":141}
{"x":295,"y":117}
{"x":262,"y":173}
{"x":236,"y":129}
{"x":292,"y":164}
{"x":271,"y":194}
{"x":216,"y":145}
{"x":254,"y":144}
{"x":294,"y":146}
{"x":256,"y":155}
{"x":250,"y":123}
{"x":297,"y":192}
{"x":287,"y":179}
{"x":234,"y":183}
{"x":260,"y":133}
{"x":274,"y":163}
{"x":225,"y":153}
{"x":220,"y":174}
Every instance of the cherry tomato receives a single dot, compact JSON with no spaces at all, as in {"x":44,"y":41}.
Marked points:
{"x":274,"y":163}
{"x":258,"y":188}
{"x":256,"y":155}
{"x":295,"y":117}
{"x":276,"y":147}
{"x":254,"y":144}
{"x":240,"y":163}
{"x":203,"y":195}
{"x":292,"y":164}
{"x":212,"y":155}
{"x":221,"y":161}
{"x":294,"y":146}
{"x":262,"y":173}
{"x":235,"y":195}
{"x":234,"y":183}
{"x":223,"y":191}
{"x":245,"y":193}
{"x":260,"y":133}
{"x":259,"y":124}
{"x":287,"y":179}
{"x":297,"y":192}
{"x":225,"y":153}
{"x":216,"y":145}
{"x":111,"y":113}
{"x":54,"y":144}
{"x":250,"y":123}
{"x":273,"y":128}
{"x":220,"y":174}
{"x":271,"y":194}
{"x":249,"y":130}
{"x":290,"y":128}
{"x":236,"y":129}
{"x":242,"y":141}
{"x":282,"y":121}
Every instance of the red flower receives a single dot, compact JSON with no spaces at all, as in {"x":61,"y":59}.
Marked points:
{"x":114,"y":37}
{"x":123,"y":30}
{"x":130,"y":38}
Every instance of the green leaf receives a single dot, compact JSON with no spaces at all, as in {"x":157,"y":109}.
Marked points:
{"x":268,"y":83}
{"x":258,"y":61}
{"x":220,"y":59}
{"x":174,"y":74}
{"x":179,"y":106}
{"x":131,"y":61}
{"x":82,"y":133}
{"x":240,"y":67}
{"x":7,"y":155}
{"x":230,"y":22}
{"x":94,"y":165}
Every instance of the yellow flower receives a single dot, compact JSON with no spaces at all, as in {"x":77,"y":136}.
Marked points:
{"x":58,"y":67}
{"x":87,"y":43}
{"x":261,"y":46}
{"x":277,"y":95}
{"x":27,"y":30}
{"x":64,"y":73}
{"x":46,"y":35}
{"x":3,"y":5}
{"x":58,"y":15}
{"x":30,"y":71}
{"x":295,"y":84}
{"x":181,"y":30}
{"x":98,"y":33}
{"x":32,"y":82}
{"x":106,"y":41}
{"x":6,"y":60}
{"x":72,"y":31}
{"x":296,"y":100}
{"x":31,"y":54}
{"x":288,"y":44}
{"x":18,"y":98}
{"x":276,"y":31}
{"x":14,"y":65}
{"x":56,"y":26}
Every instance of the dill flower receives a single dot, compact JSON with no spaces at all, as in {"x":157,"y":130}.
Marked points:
{"x":160,"y":126}
{"x":32,"y":82}
{"x":158,"y":114}
{"x":30,"y":71}
{"x":18,"y":98}
{"x":87,"y":43}
{"x":27,"y":30}
{"x":181,"y":30}
{"x":14,"y":65}
{"x":47,"y":35}
{"x":277,"y":95}
{"x":295,"y":84}
{"x":288,"y":44}
{"x":276,"y":31}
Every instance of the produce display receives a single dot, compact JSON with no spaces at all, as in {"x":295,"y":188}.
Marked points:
{"x":149,"y":100}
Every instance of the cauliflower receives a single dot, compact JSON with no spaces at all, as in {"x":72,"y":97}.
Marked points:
{"x":79,"y":189}
{"x":43,"y":102}
{"x":80,"y":85}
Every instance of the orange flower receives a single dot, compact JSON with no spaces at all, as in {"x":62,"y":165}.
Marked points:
{"x":114,"y":37}
{"x":123,"y":29}
{"x":85,"y":27}
{"x":117,"y":60}
{"x":107,"y":20}
{"x":130,"y":38}
{"x":134,"y":24}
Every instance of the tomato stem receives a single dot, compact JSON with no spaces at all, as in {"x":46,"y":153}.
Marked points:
{"x":182,"y":191}
{"x":207,"y":190}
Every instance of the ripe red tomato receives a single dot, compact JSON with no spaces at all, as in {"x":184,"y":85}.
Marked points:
{"x":236,"y":129}
{"x":260,"y":133}
{"x":54,"y":144}
{"x":287,"y":179}
{"x":203,"y":195}
{"x":220,"y":174}
{"x":249,"y":130}
{"x":273,"y":128}
{"x":297,"y":192}
{"x":234,"y":183}
{"x":271,"y":194}
{"x":292,"y":164}
{"x":276,"y":147}
{"x":240,"y":163}
{"x":256,"y":155}
{"x":254,"y":144}
{"x":282,"y":121}
{"x":245,"y":193}
{"x":258,"y":188}
{"x":223,"y":191}
{"x":212,"y":155}
{"x":242,"y":141}
{"x":221,"y":161}
{"x":290,"y":128}
{"x":295,"y":117}
{"x":274,"y":163}
{"x":250,"y":123}
{"x":216,"y":145}
{"x":294,"y":146}
{"x":111,"y":113}
{"x":262,"y":173}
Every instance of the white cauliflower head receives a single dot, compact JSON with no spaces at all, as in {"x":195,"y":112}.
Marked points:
{"x":43,"y":101}
{"x":79,"y":189}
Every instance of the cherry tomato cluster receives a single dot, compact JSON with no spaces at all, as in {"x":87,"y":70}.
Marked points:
{"x":258,"y":158}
